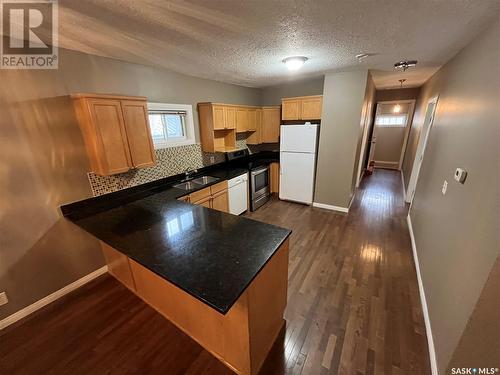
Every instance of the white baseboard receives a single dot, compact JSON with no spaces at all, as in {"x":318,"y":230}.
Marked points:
{"x":330,"y":207}
{"x":51,"y":298}
{"x":423,"y":301}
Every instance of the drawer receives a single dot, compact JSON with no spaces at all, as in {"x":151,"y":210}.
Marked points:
{"x":218,"y":187}
{"x":199,"y":195}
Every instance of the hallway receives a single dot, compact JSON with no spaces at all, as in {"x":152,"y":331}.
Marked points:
{"x":353,"y":305}
{"x":353,"y":300}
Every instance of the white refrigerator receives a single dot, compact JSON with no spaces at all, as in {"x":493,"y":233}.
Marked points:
{"x":298,"y":144}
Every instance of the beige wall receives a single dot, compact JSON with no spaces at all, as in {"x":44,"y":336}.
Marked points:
{"x":397,"y":94}
{"x":43,"y":163}
{"x":479,"y":344}
{"x":457,"y":234}
{"x":338,"y":152}
{"x":272,"y":95}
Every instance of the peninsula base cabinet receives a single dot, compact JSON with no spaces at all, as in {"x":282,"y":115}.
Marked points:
{"x":241,"y":338}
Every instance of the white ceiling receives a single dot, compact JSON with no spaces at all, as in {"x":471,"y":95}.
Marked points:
{"x":244,"y":41}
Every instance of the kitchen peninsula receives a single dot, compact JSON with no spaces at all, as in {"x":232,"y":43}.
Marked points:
{"x":220,"y":278}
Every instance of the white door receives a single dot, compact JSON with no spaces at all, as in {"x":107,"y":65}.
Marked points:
{"x":298,"y":138}
{"x":297,"y":177}
{"x":422,"y":143}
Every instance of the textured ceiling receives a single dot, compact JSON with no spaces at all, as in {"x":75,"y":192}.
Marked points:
{"x":244,"y":41}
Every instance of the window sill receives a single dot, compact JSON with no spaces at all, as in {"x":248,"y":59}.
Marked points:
{"x":159,"y":146}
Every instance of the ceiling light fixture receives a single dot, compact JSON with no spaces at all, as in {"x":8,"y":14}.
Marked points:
{"x":294,"y":62}
{"x":397,"y":108}
{"x":405,"y":64}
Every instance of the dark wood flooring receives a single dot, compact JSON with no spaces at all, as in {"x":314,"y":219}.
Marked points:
{"x":353,"y":305}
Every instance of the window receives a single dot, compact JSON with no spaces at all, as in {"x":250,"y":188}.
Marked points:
{"x":391,"y":121}
{"x":171,"y":124}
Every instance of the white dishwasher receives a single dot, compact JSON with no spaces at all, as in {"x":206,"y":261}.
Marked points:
{"x":238,"y":194}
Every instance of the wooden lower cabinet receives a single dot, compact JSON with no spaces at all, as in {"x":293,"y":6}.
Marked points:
{"x":274,"y":177}
{"x":215,"y":196}
{"x":220,"y":201}
{"x":243,"y":337}
{"x":205,"y":202}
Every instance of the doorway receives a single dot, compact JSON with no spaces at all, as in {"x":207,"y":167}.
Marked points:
{"x":390,"y":133}
{"x":422,"y":144}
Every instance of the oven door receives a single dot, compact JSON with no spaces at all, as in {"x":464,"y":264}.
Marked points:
{"x":260,"y":182}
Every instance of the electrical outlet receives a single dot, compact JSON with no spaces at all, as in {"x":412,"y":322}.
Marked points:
{"x":212,"y":159}
{"x":445,"y":187}
{"x":3,"y":299}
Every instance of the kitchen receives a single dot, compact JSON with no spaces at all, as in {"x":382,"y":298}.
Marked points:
{"x":171,"y":207}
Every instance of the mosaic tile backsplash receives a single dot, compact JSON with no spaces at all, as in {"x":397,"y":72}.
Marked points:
{"x":170,"y":161}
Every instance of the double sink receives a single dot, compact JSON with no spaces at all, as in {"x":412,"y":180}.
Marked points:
{"x":196,"y":183}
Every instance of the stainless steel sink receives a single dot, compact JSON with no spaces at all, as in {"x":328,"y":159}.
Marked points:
{"x":188,"y":185}
{"x":204,"y":180}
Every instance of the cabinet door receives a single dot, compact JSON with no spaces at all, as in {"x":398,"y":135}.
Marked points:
{"x":311,"y":108}
{"x":205,"y":202}
{"x":184,"y":198}
{"x":229,"y":117}
{"x":220,"y":201}
{"x":255,"y":138}
{"x":112,"y":143}
{"x":252,"y":119}
{"x":274,"y":174}
{"x":291,"y":109}
{"x":218,"y":116}
{"x":270,"y":125}
{"x":241,"y":120}
{"x":135,"y":116}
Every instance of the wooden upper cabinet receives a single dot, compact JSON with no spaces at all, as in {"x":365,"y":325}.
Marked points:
{"x":311,"y":108}
{"x":255,"y":138}
{"x":291,"y":109}
{"x":115,"y":131}
{"x":241,"y":119}
{"x":252,"y":119}
{"x":219,"y":117}
{"x":302,"y":108}
{"x":135,"y":114}
{"x":109,"y":139}
{"x":230,"y":117}
{"x":271,"y":121}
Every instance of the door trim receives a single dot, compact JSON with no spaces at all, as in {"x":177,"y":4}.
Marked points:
{"x":409,"y":122}
{"x":417,"y":161}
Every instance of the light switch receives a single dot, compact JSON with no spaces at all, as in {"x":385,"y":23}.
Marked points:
{"x":445,"y":186}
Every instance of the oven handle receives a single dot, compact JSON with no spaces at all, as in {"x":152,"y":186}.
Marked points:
{"x":258,"y":171}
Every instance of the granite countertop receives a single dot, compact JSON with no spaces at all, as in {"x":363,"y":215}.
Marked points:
{"x":209,"y":254}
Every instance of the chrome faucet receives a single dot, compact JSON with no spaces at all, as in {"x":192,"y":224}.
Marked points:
{"x":188,"y":174}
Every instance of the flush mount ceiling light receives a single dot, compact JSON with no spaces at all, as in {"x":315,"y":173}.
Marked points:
{"x":294,"y":62}
{"x":405,"y":64}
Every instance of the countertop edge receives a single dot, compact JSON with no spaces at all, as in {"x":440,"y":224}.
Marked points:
{"x":221,"y":311}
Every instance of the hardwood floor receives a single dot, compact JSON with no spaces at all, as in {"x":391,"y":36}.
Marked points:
{"x":353,"y":305}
